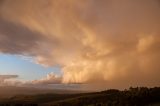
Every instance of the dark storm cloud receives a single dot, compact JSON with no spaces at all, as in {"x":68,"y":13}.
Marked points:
{"x":15,"y":39}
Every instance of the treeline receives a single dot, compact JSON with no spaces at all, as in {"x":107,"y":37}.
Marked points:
{"x":139,"y":96}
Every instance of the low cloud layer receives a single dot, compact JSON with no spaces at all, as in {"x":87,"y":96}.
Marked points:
{"x":8,"y":80}
{"x":109,"y":42}
{"x":51,"y":78}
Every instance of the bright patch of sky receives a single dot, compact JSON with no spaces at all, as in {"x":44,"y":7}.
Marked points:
{"x":25,"y":68}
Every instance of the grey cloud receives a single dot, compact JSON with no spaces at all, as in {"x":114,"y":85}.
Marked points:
{"x":8,"y":76}
{"x":19,"y":40}
{"x":3,"y":78}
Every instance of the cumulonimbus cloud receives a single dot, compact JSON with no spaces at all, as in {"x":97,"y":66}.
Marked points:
{"x":111,"y":42}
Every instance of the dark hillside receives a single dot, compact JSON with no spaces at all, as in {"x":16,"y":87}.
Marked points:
{"x":140,"y":96}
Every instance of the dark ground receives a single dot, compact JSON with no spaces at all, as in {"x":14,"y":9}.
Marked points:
{"x":140,"y":96}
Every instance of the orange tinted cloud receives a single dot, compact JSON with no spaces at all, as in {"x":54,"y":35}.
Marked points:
{"x":111,"y":42}
{"x":51,"y":78}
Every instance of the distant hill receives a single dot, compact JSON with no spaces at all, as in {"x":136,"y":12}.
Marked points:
{"x":10,"y":91}
{"x":140,"y":96}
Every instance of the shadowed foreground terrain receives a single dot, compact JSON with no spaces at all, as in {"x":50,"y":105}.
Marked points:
{"x":140,"y":96}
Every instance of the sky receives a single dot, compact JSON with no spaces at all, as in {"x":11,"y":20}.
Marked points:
{"x":108,"y":43}
{"x":25,"y":68}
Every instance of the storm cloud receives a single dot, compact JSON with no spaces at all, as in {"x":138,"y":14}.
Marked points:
{"x":110,"y":42}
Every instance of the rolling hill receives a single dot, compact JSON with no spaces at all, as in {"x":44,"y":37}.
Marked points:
{"x":140,"y":96}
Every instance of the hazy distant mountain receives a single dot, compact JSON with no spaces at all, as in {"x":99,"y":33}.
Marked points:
{"x":9,"y":91}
